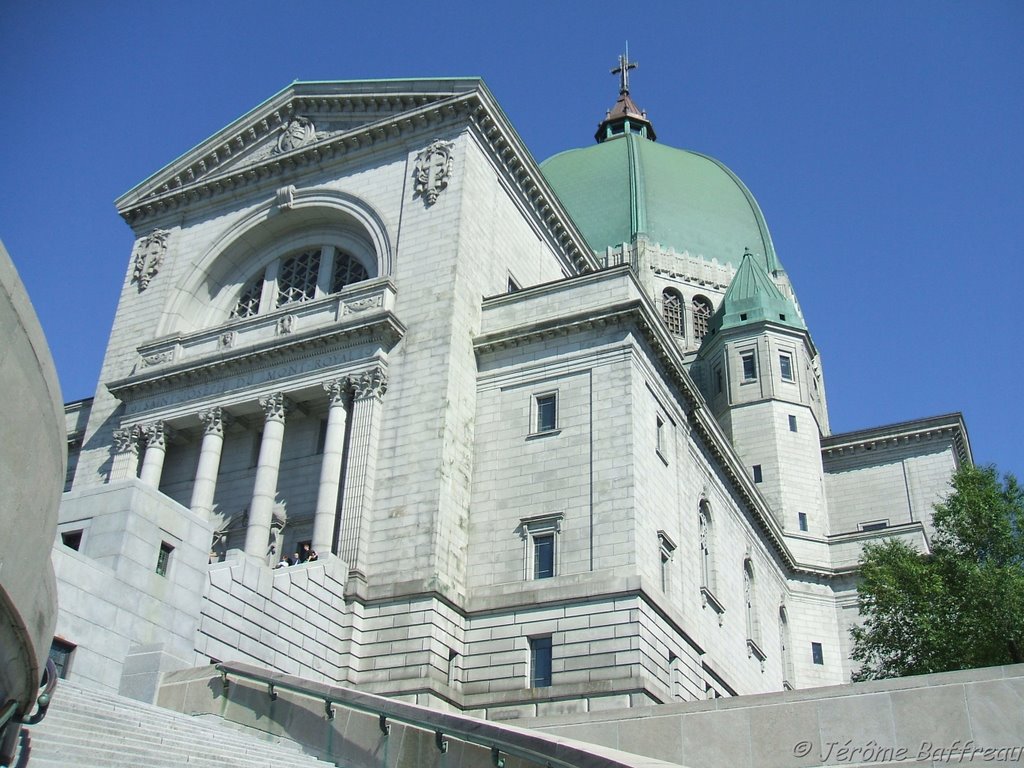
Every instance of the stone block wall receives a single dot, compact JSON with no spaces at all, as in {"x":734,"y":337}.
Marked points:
{"x":285,"y":619}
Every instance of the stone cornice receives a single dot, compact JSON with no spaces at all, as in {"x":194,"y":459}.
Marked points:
{"x":383,"y":328}
{"x":949,"y":426}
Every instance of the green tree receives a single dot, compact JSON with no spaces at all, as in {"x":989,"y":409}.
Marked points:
{"x":962,"y":605}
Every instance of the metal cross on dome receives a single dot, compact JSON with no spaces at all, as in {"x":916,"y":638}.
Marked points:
{"x":623,"y":70}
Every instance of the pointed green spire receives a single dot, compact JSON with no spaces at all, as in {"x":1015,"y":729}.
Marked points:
{"x":753,"y":297}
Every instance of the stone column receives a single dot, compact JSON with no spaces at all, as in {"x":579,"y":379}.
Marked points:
{"x":126,"y":453}
{"x":330,"y":467}
{"x":214,"y":422}
{"x":360,"y":473}
{"x":156,"y":436}
{"x":261,"y":510}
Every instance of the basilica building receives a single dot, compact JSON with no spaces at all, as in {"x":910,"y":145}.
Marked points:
{"x":556,"y":433}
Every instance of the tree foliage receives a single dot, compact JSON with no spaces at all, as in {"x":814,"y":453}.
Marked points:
{"x":962,"y":605}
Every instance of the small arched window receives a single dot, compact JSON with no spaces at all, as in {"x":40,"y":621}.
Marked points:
{"x":750,"y":600}
{"x":672,"y":310}
{"x":784,"y":652}
{"x":296,"y":280}
{"x":347,"y":270}
{"x":701,"y":315}
{"x":707,"y":566}
{"x":249,"y":302}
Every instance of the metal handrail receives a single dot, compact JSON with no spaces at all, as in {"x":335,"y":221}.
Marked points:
{"x":443,"y":724}
{"x":43,"y":701}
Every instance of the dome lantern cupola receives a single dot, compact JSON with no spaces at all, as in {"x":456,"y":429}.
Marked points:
{"x":625,"y":117}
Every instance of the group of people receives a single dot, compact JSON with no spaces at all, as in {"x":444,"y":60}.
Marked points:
{"x":308,"y":555}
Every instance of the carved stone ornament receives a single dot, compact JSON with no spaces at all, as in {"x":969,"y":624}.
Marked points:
{"x":336,"y":390}
{"x":226,"y":340}
{"x":370,"y":384}
{"x":157,"y":434}
{"x":286,"y":325}
{"x":297,"y":132}
{"x":149,"y":255}
{"x":433,"y":169}
{"x":286,"y":197}
{"x":158,"y":358}
{"x":126,"y":439}
{"x":361,"y":305}
{"x":275,"y":406}
{"x":214,"y":420}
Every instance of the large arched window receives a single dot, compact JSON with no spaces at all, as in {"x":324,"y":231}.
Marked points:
{"x":701,"y":315}
{"x":672,"y":310}
{"x":298,"y":276}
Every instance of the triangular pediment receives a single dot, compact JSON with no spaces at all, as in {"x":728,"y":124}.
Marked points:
{"x":295,"y":126}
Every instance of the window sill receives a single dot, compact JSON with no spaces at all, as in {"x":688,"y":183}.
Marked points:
{"x":545,"y":433}
{"x":661,"y":456}
{"x":708,"y":599}
{"x":753,"y":649}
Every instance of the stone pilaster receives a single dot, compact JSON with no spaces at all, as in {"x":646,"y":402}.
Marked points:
{"x":261,"y":510}
{"x":156,"y":436}
{"x":360,"y":474}
{"x":330,"y":467}
{"x":126,"y":453}
{"x":214,"y":420}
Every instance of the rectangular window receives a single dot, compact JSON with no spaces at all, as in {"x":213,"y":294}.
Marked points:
{"x":667,"y":547}
{"x":875,"y":525}
{"x":719,"y":383}
{"x":659,"y":437}
{"x":758,"y":477}
{"x":547,"y":412}
{"x":71,"y":539}
{"x":544,"y":556}
{"x":802,"y":518}
{"x":749,"y":366}
{"x":792,"y":423}
{"x":60,"y":652}
{"x":786,"y":367}
{"x":817,"y":655}
{"x":163,"y":560}
{"x":540,"y":661}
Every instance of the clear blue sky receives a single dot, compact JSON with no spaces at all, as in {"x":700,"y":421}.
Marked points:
{"x":883,"y":140}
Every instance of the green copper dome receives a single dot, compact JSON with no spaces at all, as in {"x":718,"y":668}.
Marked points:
{"x":629,"y":186}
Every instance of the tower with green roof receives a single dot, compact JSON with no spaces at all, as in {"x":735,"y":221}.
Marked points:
{"x":761,"y":375}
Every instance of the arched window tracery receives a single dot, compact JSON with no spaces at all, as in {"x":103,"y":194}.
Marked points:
{"x":702,"y":309}
{"x":672,"y":311}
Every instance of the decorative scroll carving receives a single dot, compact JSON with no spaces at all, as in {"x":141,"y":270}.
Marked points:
{"x":215,"y":420}
{"x":336,"y":390}
{"x":297,"y":132}
{"x":149,"y":255}
{"x":286,"y":197}
{"x":275,"y":406}
{"x":433,"y":169}
{"x":361,"y":305}
{"x":157,"y":434}
{"x":286,"y":325}
{"x":371,"y":384}
{"x":158,"y":358}
{"x":126,"y":439}
{"x":227,"y":340}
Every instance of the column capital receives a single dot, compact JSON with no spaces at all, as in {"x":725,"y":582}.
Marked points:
{"x":336,"y":390}
{"x":215,"y":420}
{"x":372,"y":383}
{"x":156,"y":434}
{"x":126,"y":439}
{"x":275,"y":406}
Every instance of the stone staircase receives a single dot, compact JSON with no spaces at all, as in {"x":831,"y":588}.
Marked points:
{"x":87,"y":727}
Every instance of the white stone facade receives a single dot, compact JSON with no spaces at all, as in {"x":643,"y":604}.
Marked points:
{"x":522,"y":501}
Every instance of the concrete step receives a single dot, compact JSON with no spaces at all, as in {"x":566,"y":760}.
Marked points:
{"x":86,"y":727}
